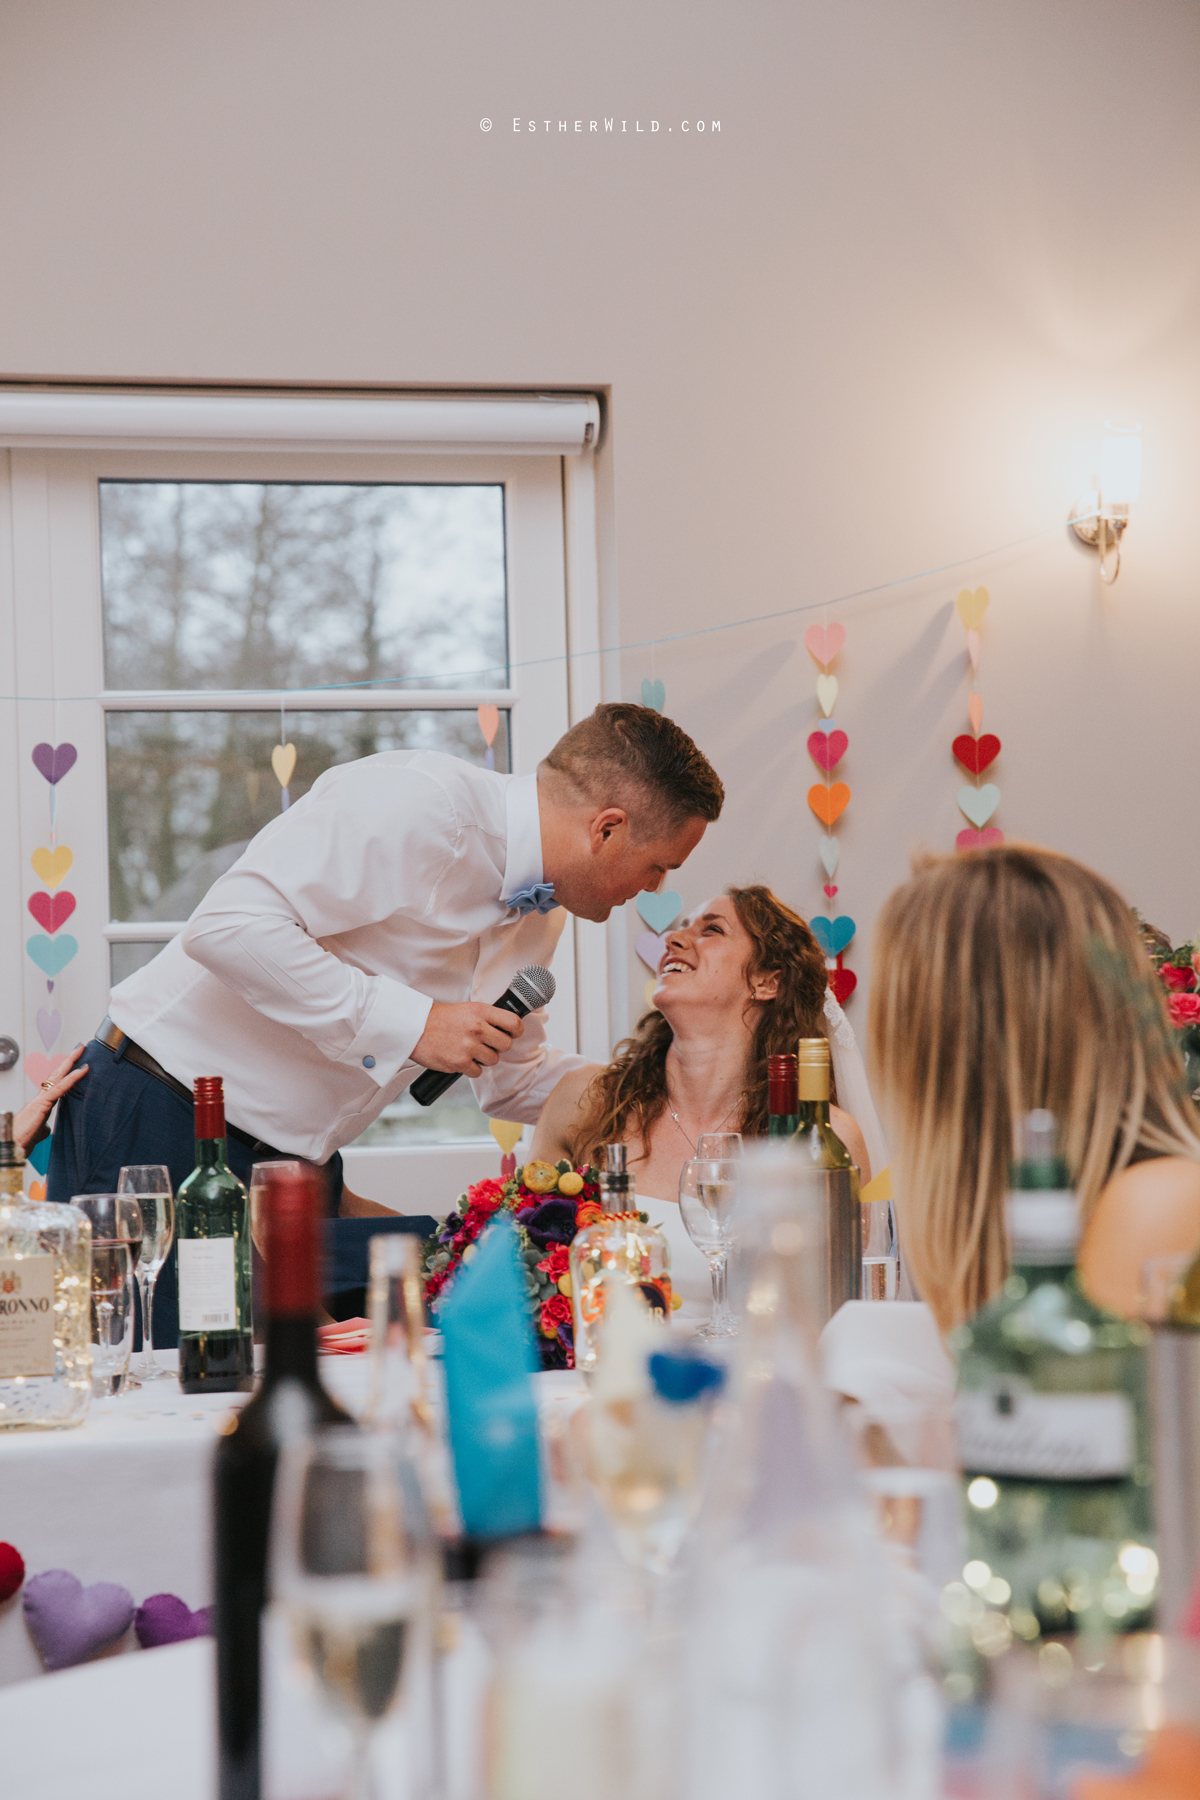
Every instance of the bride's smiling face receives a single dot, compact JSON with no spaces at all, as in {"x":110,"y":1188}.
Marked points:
{"x":705,"y":964}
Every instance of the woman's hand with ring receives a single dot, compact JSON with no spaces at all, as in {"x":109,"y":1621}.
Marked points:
{"x":29,"y":1125}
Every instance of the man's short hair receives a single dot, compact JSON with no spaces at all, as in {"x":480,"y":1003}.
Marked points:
{"x":630,"y":756}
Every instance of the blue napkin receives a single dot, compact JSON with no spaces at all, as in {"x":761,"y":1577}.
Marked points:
{"x":488,"y":1355}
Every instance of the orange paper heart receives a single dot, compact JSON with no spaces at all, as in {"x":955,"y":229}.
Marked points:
{"x":489,"y":722}
{"x":829,"y":803}
{"x":37,"y":1190}
{"x":971,"y":607}
{"x":975,"y":710}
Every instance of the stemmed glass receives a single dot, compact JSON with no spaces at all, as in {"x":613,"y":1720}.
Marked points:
{"x":354,"y":1568}
{"x":116,"y":1222}
{"x":707,"y":1205}
{"x":150,"y":1185}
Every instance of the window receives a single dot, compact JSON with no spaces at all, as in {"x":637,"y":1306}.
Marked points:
{"x":176,"y":614}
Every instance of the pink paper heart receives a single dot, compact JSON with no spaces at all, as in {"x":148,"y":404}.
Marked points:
{"x":52,"y":910}
{"x":827,"y":748}
{"x":830,"y":891}
{"x":973,"y":648}
{"x":40,"y":1068}
{"x":49,"y":1026}
{"x":489,"y":720}
{"x":650,"y":947}
{"x":970,"y":839}
{"x":166,"y":1619}
{"x":975,"y":712}
{"x":824,"y":641}
{"x":70,"y":1623}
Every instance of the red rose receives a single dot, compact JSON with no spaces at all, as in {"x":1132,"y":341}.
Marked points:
{"x":1179,"y":981}
{"x":1184,"y":1009}
{"x":486,"y":1196}
{"x":556,"y":1262}
{"x":555,"y":1312}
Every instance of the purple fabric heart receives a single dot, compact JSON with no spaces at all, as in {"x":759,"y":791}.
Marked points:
{"x":49,"y":1026}
{"x":70,"y":1623}
{"x":166,"y":1619}
{"x":54,"y":760}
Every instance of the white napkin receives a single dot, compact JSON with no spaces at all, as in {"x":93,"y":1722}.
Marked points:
{"x":889,"y":1356}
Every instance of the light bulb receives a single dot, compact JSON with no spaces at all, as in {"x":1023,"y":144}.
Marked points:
{"x":1120,"y":464}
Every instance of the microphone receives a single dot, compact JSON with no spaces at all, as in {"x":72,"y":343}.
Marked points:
{"x":528,"y":990}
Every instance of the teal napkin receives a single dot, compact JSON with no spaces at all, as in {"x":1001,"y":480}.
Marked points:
{"x":489,"y":1356}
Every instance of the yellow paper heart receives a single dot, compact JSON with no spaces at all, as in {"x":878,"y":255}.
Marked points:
{"x":506,"y":1133}
{"x":283,"y":761}
{"x":827,"y":692}
{"x":50,"y":866}
{"x":878,"y":1188}
{"x":971,"y":607}
{"x":650,"y":987}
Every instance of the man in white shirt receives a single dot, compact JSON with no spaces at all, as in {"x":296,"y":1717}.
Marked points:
{"x":363,"y":936}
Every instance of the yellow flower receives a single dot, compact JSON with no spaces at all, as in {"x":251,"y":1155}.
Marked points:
{"x":540,"y":1177}
{"x":564,"y":1284}
{"x":676,"y":1302}
{"x":570,"y":1183}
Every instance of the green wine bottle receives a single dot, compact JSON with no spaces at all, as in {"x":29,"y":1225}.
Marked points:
{"x":212,"y":1228}
{"x":1054,"y":1437}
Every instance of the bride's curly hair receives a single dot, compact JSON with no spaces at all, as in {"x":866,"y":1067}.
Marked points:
{"x":630,"y":1095}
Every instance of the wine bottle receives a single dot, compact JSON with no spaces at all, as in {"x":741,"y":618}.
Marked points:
{"x":45,"y":1302}
{"x":212,"y":1229}
{"x":290,"y":1399}
{"x":783,"y":1097}
{"x":1053,"y":1431}
{"x":825,"y":1152}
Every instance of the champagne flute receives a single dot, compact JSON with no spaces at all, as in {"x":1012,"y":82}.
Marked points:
{"x":150,"y":1185}
{"x":116,"y":1221}
{"x":707,"y":1206}
{"x":355,"y":1570}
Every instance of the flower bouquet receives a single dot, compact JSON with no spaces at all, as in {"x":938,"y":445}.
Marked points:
{"x":1179,"y":972}
{"x":549,"y":1203}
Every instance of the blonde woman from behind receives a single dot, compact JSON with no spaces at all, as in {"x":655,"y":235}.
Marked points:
{"x":1004,"y":980}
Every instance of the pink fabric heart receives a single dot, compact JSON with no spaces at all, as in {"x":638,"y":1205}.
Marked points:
{"x":70,"y":1623}
{"x":970,"y":839}
{"x":166,"y":1619}
{"x":827,"y":749}
{"x":830,"y":891}
{"x":824,"y":641}
{"x":650,"y":947}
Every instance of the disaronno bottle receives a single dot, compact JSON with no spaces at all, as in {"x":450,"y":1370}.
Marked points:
{"x":45,"y":1303}
{"x":619,"y":1246}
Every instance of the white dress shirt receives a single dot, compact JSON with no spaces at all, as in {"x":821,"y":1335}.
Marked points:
{"x":306,"y":974}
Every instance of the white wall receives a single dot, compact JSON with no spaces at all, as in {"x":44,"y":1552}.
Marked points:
{"x":871,"y":327}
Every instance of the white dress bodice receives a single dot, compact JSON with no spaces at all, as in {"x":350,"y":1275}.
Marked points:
{"x":690,"y":1274}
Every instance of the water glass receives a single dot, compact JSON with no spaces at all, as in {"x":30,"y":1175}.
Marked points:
{"x":708,"y":1190}
{"x":116,"y":1222}
{"x":150,"y":1185}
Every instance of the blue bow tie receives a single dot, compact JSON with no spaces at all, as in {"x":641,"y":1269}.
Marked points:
{"x":533,"y":899}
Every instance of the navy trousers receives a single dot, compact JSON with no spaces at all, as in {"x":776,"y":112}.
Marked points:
{"x":118,"y":1114}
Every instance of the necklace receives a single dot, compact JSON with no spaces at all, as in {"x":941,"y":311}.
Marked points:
{"x":687,"y":1140}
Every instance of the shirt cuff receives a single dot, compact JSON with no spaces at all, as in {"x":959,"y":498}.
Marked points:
{"x":387,"y":1037}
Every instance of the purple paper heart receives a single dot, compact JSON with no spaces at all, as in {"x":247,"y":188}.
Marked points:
{"x":49,"y":1026}
{"x":70,"y":1623}
{"x":650,"y":948}
{"x":54,"y":760}
{"x":49,"y":987}
{"x":166,"y":1619}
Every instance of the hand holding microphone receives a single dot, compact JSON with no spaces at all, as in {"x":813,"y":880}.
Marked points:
{"x":465,"y":1039}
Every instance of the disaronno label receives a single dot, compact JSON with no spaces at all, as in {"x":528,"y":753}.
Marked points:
{"x":26,"y":1316}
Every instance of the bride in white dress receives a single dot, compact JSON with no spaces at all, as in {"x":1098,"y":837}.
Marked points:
{"x":741,"y":979}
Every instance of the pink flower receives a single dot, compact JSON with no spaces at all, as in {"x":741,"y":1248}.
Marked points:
{"x":556,"y":1262}
{"x":1184,"y":1009}
{"x":1179,"y":981}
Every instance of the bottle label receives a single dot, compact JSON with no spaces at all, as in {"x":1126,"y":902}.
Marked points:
{"x":207,"y":1285}
{"x":26,"y":1316}
{"x":1008,"y":1430}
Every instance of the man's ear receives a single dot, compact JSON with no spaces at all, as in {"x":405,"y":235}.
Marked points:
{"x":605,"y":824}
{"x":765,"y":985}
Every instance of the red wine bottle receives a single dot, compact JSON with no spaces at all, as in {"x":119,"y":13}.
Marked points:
{"x":783,"y":1096}
{"x":212,"y":1229}
{"x":288,"y":1232}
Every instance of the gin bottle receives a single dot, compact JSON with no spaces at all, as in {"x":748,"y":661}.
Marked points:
{"x":45,"y":1303}
{"x":619,"y":1246}
{"x":1054,"y":1436}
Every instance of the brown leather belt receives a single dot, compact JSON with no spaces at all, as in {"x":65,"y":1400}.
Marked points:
{"x":114,"y":1038}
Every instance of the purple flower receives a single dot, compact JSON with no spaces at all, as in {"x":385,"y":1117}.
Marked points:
{"x":551,"y":1223}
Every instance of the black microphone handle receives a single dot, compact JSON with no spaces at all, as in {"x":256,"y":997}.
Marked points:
{"x":433,"y":1083}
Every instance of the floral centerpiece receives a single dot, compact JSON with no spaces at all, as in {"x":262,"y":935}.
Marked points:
{"x":549,"y":1203}
{"x":1179,"y":971}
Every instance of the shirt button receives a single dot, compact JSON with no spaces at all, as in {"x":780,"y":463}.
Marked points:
{"x":368,"y":1062}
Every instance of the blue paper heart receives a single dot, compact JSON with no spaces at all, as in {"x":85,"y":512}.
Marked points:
{"x":833,"y":934}
{"x":826,"y":725}
{"x":660,"y":910}
{"x":51,"y":954}
{"x":654,"y":693}
{"x":39,"y":1156}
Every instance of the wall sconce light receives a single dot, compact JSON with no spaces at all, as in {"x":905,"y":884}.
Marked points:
{"x":1100,"y":518}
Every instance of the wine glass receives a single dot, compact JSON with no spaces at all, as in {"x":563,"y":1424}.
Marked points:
{"x":116,"y":1222}
{"x":707,"y":1206}
{"x":354,"y":1567}
{"x":150,"y":1185}
{"x":718,"y":1146}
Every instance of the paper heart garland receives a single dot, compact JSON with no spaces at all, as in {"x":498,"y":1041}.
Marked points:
{"x":166,"y":1619}
{"x":650,"y":946}
{"x":827,"y":748}
{"x":49,"y":1026}
{"x":976,"y":754}
{"x":54,"y":760}
{"x":70,"y":1623}
{"x":842,"y":982}
{"x":972,"y":606}
{"x":975,"y":712}
{"x":12,"y":1571}
{"x":827,"y":693}
{"x":283,"y":761}
{"x":833,"y":935}
{"x":659,"y":910}
{"x":52,"y":910}
{"x":489,"y":721}
{"x":830,"y":891}
{"x":37,"y":1191}
{"x":654,"y":694}
{"x":976,"y":840}
{"x":51,"y":954}
{"x":829,"y":803}
{"x":507,"y":1133}
{"x":831,"y":850}
{"x":51,"y":866}
{"x":823,"y":642}
{"x":826,"y":725}
{"x":979,"y":803}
